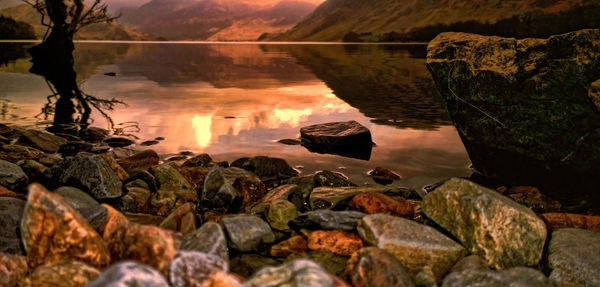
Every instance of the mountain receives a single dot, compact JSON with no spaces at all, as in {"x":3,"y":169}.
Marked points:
{"x":103,"y":31}
{"x":216,"y":19}
{"x":421,"y":20}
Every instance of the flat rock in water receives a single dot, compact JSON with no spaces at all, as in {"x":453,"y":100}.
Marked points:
{"x":373,"y":267}
{"x":336,"y":134}
{"x":12,"y":176}
{"x":501,"y":231}
{"x":247,"y":232}
{"x":193,"y":268}
{"x":129,"y":273}
{"x":93,"y":134}
{"x":517,"y":276}
{"x":415,"y":245}
{"x":91,"y":172}
{"x":574,"y":257}
{"x":76,"y":197}
{"x":41,"y":140}
{"x":209,"y":238}
{"x":297,"y":273}
{"x":266,"y":168}
{"x":11,"y":213}
{"x":119,"y":142}
{"x":47,"y":231}
{"x":65,"y":273}
{"x":328,"y":219}
{"x":527,"y":110}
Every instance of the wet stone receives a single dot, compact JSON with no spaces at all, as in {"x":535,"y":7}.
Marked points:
{"x":294,"y":245}
{"x":136,"y":200}
{"x":34,"y":170}
{"x":119,"y":171}
{"x":383,"y":175}
{"x":373,"y":267}
{"x":118,"y":142}
{"x":518,"y":276}
{"x":300,"y":272}
{"x":91,"y":172}
{"x":218,"y":192}
{"x":13,"y":269}
{"x":193,"y":268}
{"x":129,"y":273}
{"x":209,"y":238}
{"x":65,"y":273}
{"x":41,"y":140}
{"x":76,"y":197}
{"x":331,"y":179}
{"x":72,"y":148}
{"x":202,"y":160}
{"x":556,"y":221}
{"x":93,"y":134}
{"x":328,"y":219}
{"x":337,"y":197}
{"x":349,"y":133}
{"x":94,"y":216}
{"x":246,"y":232}
{"x":266,"y":168}
{"x":280,"y":213}
{"x":174,"y":190}
{"x":141,"y":161}
{"x":572,"y":256}
{"x":335,"y":241}
{"x":11,"y":213}
{"x":248,"y":264}
{"x":182,"y":219}
{"x":373,"y":202}
{"x":12,"y":176}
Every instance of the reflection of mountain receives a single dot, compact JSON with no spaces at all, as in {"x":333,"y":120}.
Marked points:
{"x":223,"y":66}
{"x":216,"y":19}
{"x":387,"y":83}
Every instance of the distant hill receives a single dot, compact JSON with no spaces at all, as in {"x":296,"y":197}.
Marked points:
{"x":11,"y":29}
{"x":421,"y":20}
{"x":216,"y":19}
{"x":104,"y":31}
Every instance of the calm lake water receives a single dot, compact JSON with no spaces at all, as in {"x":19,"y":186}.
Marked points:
{"x":234,"y":100}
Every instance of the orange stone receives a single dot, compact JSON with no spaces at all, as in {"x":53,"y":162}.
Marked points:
{"x":194,"y":175}
{"x":373,"y":202}
{"x":182,"y":219}
{"x":64,"y":273}
{"x":147,"y":244}
{"x":140,"y":161}
{"x":221,"y":279}
{"x":4,"y":192}
{"x":119,"y":171}
{"x":335,"y":241}
{"x":557,"y":220}
{"x":13,"y":269}
{"x":294,"y":245}
{"x":53,"y":231}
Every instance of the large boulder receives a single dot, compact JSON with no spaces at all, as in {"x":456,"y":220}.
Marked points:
{"x":526,"y":110}
{"x":418,"y":247}
{"x":90,"y":172}
{"x":503,"y":232}
{"x":573,"y":257}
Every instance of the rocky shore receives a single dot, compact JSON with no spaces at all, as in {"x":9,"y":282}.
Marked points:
{"x":91,"y":211}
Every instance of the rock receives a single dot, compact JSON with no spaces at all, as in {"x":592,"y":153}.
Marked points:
{"x":349,"y":139}
{"x":250,"y":187}
{"x":41,"y":140}
{"x":294,"y":245}
{"x":137,"y":199}
{"x":15,"y":153}
{"x":331,"y":179}
{"x":51,"y":231}
{"x":209,"y":238}
{"x":373,"y":202}
{"x":119,"y":171}
{"x":129,"y":273}
{"x":12,"y":176}
{"x":76,"y":197}
{"x":332,"y":263}
{"x":290,"y":141}
{"x":118,"y":142}
{"x":182,"y":219}
{"x":65,"y":273}
{"x":93,"y":134}
{"x":35,"y":171}
{"x":328,"y":219}
{"x":218,"y":193}
{"x":193,"y":268}
{"x":280,"y":213}
{"x":556,"y":221}
{"x":533,"y":198}
{"x":335,"y":241}
{"x":248,"y":264}
{"x":471,"y":262}
{"x":266,"y":168}
{"x":416,"y":246}
{"x":141,"y":161}
{"x":221,"y":279}
{"x":288,"y":192}
{"x":374,"y":267}
{"x":149,"y":143}
{"x":246,"y":232}
{"x":300,"y":272}
{"x":144,"y":219}
{"x":91,"y":172}
{"x":11,"y":213}
{"x":194,"y":175}
{"x":333,"y":197}
{"x":518,"y":276}
{"x":383,"y":175}
{"x":524,"y":108}
{"x":202,"y":160}
{"x":488,"y":224}
{"x":572,"y":257}
{"x":13,"y":269}
{"x":4,"y":192}
{"x":173,"y":190}
{"x":72,"y":148}
{"x":94,"y":216}
{"x":147,"y":244}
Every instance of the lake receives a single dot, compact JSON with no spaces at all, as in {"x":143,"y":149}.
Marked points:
{"x":236,"y":100}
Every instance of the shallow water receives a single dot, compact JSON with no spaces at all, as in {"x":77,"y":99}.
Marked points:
{"x":234,"y":100}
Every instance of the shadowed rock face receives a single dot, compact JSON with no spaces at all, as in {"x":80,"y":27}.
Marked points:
{"x":526,"y":110}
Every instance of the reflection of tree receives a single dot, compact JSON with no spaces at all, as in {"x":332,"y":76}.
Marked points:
{"x":53,"y":59}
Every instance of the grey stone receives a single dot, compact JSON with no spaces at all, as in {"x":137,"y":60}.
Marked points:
{"x":297,"y":273}
{"x":11,"y":213}
{"x":574,"y":256}
{"x":127,"y":274}
{"x":247,"y":232}
{"x":95,"y":216}
{"x":192,"y":268}
{"x":41,"y":140}
{"x":209,"y":238}
{"x":328,"y":219}
{"x":76,"y":197}
{"x":218,"y":192}
{"x":12,"y":176}
{"x":501,"y":231}
{"x":415,"y":245}
{"x":91,"y":172}
{"x":514,"y":277}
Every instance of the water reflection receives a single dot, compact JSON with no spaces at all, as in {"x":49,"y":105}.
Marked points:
{"x":239,"y":100}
